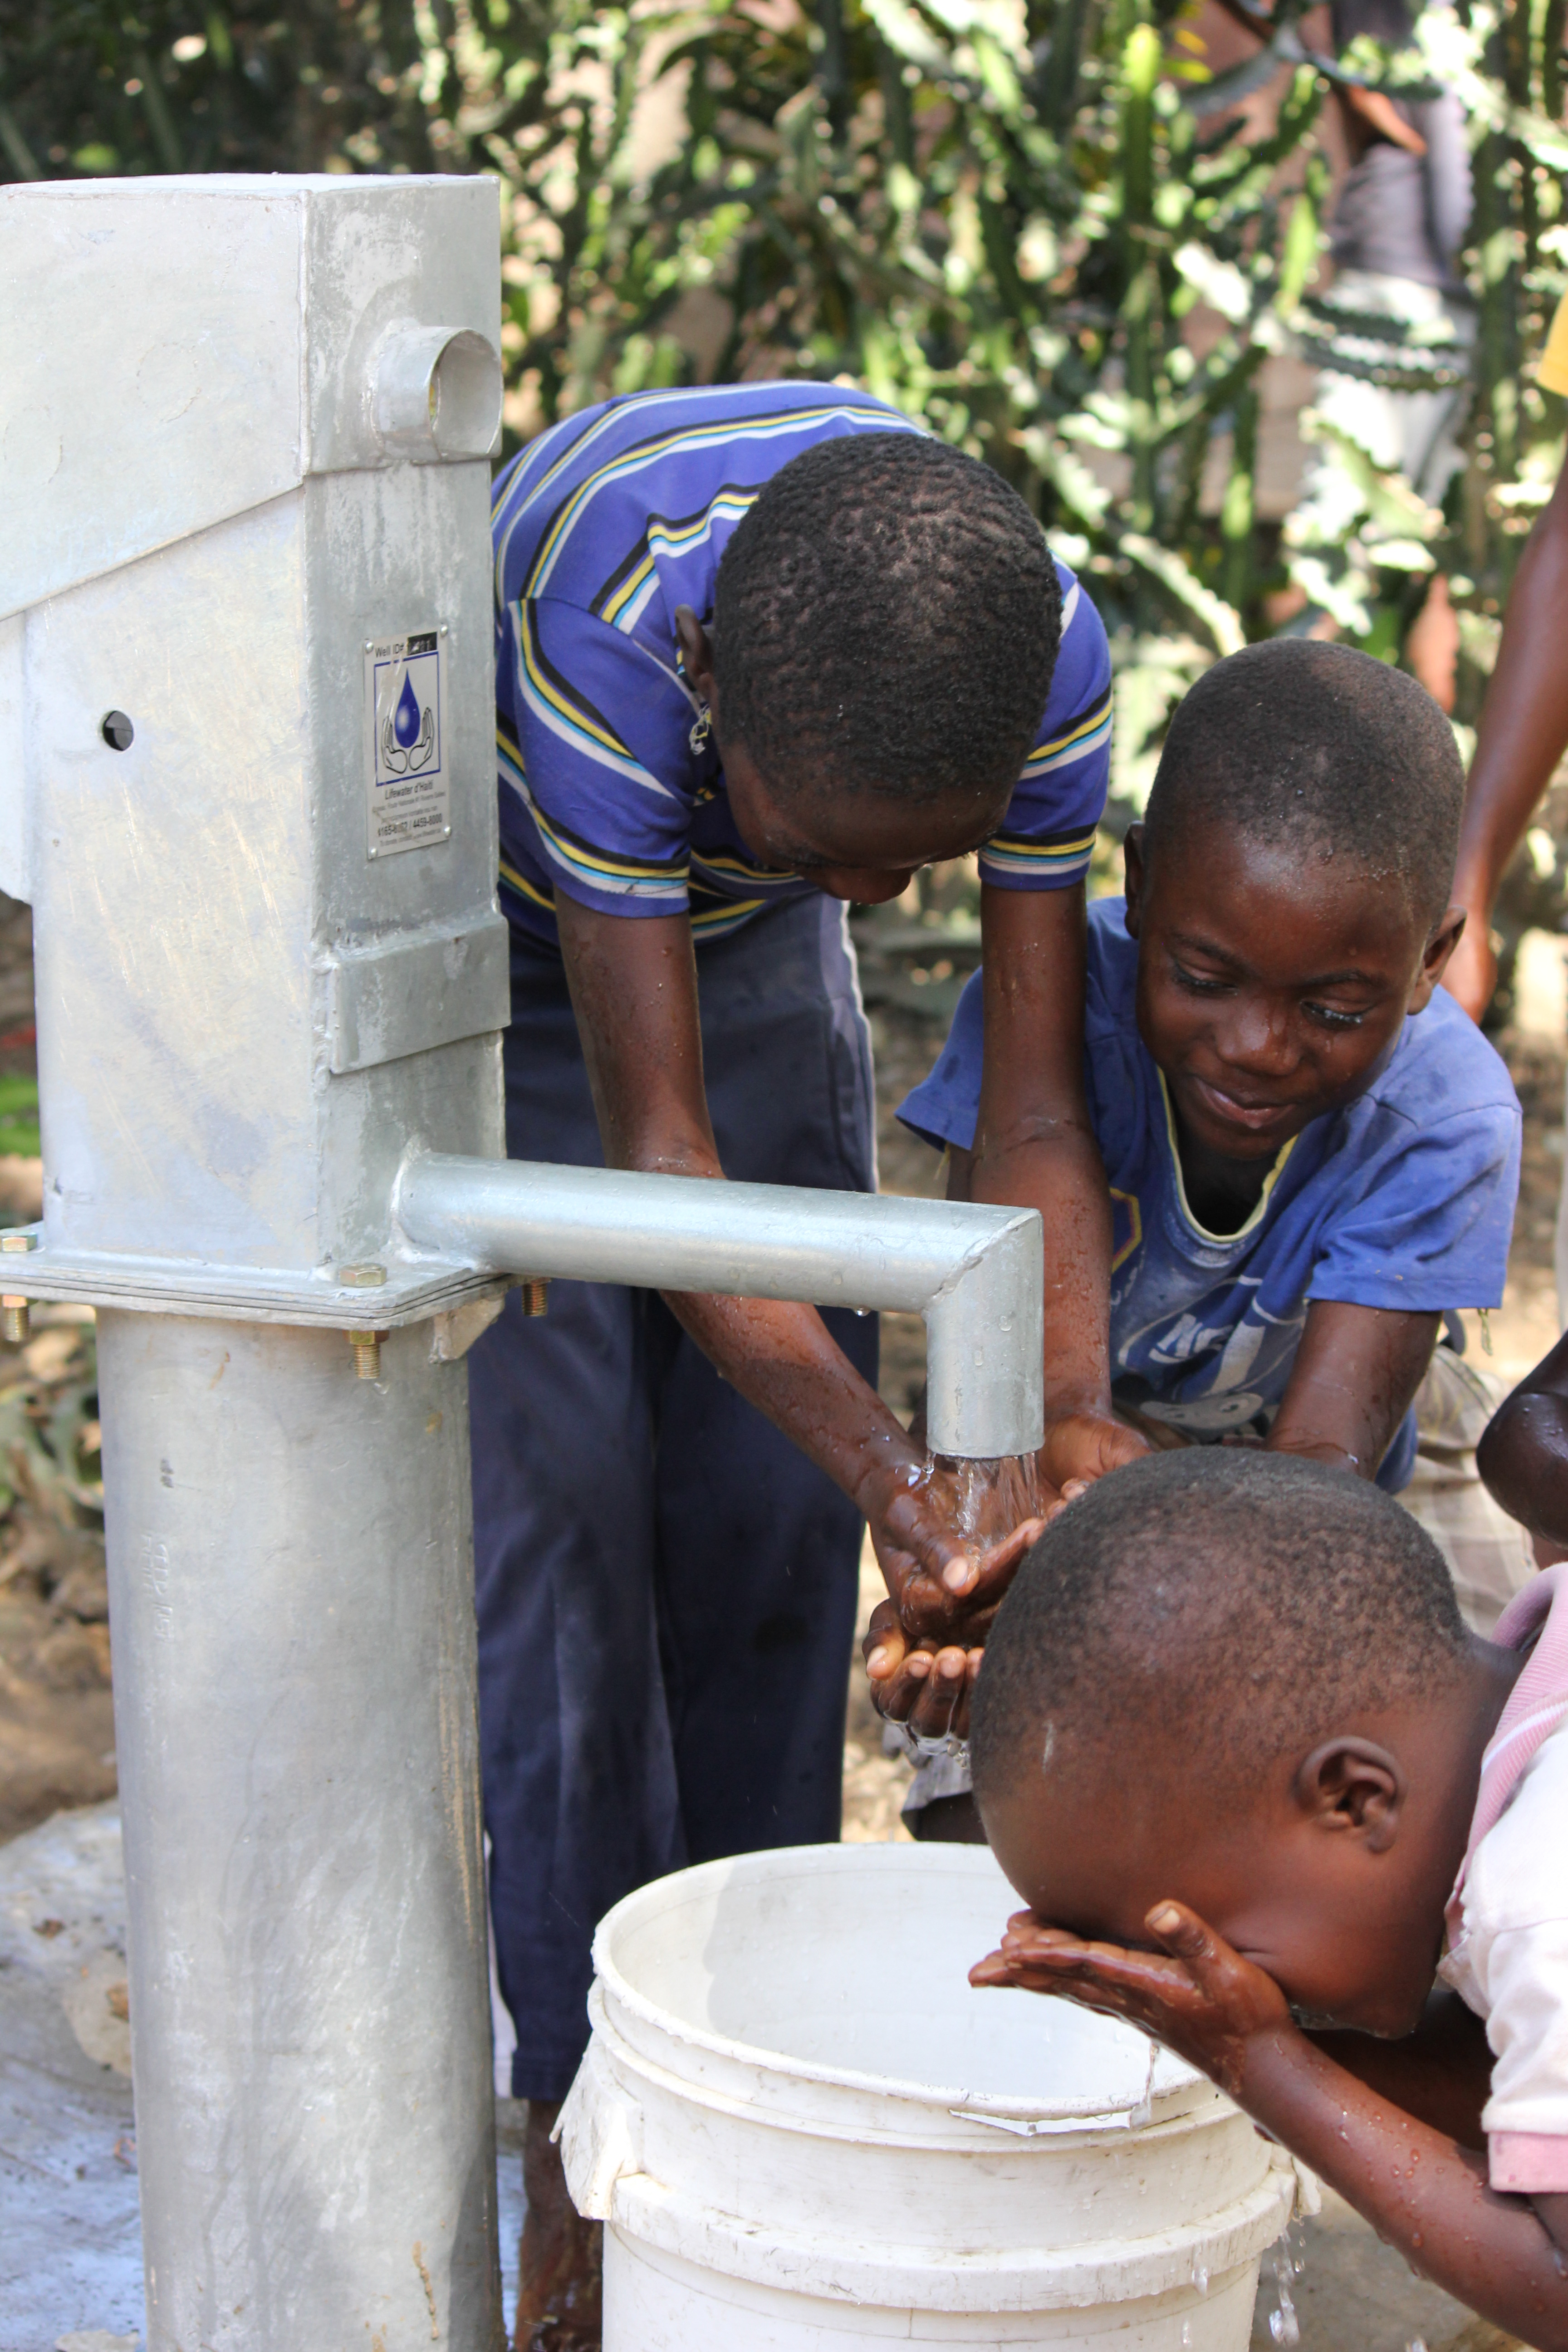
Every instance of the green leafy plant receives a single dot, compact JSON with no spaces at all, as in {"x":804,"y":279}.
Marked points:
{"x":19,"y":1115}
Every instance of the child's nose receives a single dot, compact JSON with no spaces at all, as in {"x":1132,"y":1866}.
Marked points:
{"x":1259,"y":1038}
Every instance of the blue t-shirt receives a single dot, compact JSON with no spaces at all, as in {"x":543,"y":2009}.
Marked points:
{"x":1402,"y":1199}
{"x":601,"y":527}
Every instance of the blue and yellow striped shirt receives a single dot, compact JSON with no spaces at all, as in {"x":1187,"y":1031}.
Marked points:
{"x":602,"y":527}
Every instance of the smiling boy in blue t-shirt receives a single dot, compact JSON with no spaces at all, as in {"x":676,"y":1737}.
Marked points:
{"x":1311,"y":1153}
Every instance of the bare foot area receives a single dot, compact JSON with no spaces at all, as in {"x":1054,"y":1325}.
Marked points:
{"x":561,"y":2261}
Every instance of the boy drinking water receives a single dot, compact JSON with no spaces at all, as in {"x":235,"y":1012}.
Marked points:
{"x":1311,"y":1155}
{"x":1236,"y":1750}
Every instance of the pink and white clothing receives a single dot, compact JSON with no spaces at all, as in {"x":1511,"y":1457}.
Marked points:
{"x":1507,"y":1955}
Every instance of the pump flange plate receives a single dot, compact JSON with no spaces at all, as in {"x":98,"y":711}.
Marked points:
{"x":412,"y":1293}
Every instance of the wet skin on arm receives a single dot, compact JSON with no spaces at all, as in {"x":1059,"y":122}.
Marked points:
{"x":1284,"y":1940}
{"x":1270,"y":995}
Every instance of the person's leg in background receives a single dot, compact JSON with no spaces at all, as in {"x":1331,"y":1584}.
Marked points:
{"x":1432,"y":423}
{"x":1410,"y":432}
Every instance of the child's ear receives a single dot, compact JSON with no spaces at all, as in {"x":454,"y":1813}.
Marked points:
{"x":1350,"y":1785}
{"x":696,"y":653}
{"x":1446,"y":937}
{"x":1137,"y":875}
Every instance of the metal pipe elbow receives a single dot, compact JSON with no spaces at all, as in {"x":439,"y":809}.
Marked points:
{"x":984,"y":1346}
{"x":975,"y":1273}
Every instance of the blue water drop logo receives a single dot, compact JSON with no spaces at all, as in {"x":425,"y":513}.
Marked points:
{"x":405,"y":722}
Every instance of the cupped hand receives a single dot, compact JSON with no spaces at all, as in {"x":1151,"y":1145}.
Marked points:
{"x":1196,"y":1994}
{"x":925,"y":1685}
{"x":1083,"y":1446}
{"x":922,"y":1649}
{"x":948,"y":1542}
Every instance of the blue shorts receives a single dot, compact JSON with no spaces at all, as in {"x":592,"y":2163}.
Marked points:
{"x":665,"y":1588}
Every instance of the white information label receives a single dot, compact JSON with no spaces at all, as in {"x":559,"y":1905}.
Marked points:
{"x":409,"y":802}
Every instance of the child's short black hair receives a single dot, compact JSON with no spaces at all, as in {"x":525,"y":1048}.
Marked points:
{"x":887,"y":614}
{"x":1320,"y":746}
{"x":1216,"y":1607}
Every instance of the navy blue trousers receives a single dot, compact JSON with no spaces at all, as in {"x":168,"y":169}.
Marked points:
{"x":666,"y":1587}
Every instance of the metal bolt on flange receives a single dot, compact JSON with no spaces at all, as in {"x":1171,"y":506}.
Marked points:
{"x":15,"y":1321}
{"x":369,"y":1277}
{"x":367,"y":1346}
{"x":535,"y":1294}
{"x":17,"y":1241}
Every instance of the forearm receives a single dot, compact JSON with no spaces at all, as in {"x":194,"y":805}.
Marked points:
{"x":1524,"y":721}
{"x":779,"y":1356}
{"x":1419,"y":2191}
{"x":782,"y":1359}
{"x":1356,"y":1371}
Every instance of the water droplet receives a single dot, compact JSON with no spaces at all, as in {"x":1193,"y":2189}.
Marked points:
{"x":1200,"y":2275}
{"x":1283,"y":2325}
{"x":406,"y":719}
{"x":1416,"y":2344}
{"x":1186,"y":2331}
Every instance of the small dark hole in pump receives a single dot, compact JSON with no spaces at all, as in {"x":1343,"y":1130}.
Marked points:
{"x":118,"y":733}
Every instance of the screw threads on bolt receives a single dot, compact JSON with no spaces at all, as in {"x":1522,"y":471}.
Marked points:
{"x":15,"y":1321}
{"x":367,"y":1346}
{"x":536,"y":1296}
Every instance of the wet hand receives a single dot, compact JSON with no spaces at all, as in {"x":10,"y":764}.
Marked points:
{"x":1194,"y":1993}
{"x":948,"y":1542}
{"x":1082,"y":1446}
{"x":922,"y":1649}
{"x":927,"y":1686}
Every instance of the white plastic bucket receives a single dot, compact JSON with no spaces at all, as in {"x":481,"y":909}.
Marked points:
{"x":802,"y":2127}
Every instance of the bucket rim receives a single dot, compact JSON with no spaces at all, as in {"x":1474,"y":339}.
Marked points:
{"x":1181,"y":2080}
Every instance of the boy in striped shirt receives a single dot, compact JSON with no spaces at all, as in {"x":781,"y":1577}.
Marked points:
{"x":762,"y":650}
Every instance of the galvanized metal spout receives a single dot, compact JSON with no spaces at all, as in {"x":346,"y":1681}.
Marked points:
{"x":975,"y":1274}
